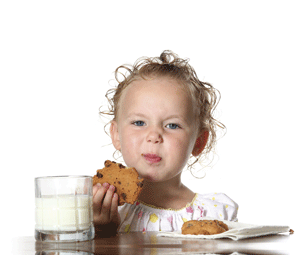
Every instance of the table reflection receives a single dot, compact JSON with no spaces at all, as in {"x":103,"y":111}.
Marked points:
{"x":149,"y":243}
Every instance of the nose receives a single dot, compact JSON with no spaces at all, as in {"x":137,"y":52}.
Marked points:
{"x":154,"y":136}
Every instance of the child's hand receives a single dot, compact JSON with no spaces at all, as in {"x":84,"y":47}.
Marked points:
{"x":105,"y":209}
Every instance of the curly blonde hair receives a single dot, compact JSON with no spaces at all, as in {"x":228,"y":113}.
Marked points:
{"x":168,"y":64}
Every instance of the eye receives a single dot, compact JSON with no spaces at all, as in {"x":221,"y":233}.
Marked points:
{"x":138,"y":123}
{"x":172,"y":126}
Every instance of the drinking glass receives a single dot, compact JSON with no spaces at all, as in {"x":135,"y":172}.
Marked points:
{"x":63,"y":208}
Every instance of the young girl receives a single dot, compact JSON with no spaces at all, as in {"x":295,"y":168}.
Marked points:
{"x":162,"y":117}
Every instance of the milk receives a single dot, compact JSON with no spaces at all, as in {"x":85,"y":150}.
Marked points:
{"x":63,"y":212}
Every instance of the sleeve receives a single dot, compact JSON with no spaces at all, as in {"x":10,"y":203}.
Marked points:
{"x":220,"y":206}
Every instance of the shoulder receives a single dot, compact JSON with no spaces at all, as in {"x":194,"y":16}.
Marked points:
{"x":218,"y":198}
{"x":218,"y":205}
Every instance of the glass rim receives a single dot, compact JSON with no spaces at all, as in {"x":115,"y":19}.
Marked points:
{"x":63,"y":177}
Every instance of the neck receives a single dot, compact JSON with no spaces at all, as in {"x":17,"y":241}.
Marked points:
{"x":169,"y":194}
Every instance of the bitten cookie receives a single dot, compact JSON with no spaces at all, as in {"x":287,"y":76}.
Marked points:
{"x":203,"y":227}
{"x":125,"y":179}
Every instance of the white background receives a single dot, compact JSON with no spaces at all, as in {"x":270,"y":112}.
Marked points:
{"x":56,"y":62}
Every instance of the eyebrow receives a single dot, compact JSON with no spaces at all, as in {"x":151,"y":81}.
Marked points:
{"x":133,"y":114}
{"x":141,"y":115}
{"x":174,"y":116}
{"x":177,"y":117}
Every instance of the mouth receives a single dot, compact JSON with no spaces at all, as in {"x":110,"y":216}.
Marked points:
{"x":152,"y":158}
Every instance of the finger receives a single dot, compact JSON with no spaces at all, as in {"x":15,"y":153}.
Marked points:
{"x":114,"y":208}
{"x":98,"y":197}
{"x":95,"y":188}
{"x":106,"y":205}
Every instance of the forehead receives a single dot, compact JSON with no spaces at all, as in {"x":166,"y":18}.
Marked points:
{"x":148,"y":94}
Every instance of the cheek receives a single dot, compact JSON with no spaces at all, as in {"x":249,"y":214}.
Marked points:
{"x":181,"y":150}
{"x":183,"y":144}
{"x":129,"y":144}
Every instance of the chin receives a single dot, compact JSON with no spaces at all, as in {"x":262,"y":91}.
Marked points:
{"x":150,"y":178}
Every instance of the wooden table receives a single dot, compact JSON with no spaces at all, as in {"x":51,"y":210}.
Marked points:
{"x":149,"y":243}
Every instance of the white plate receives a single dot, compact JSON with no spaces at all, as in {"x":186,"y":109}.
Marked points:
{"x":236,"y":231}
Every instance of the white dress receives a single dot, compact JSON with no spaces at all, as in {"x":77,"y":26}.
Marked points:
{"x":143,"y":217}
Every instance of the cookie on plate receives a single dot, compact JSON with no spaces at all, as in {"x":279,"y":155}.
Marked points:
{"x":125,"y":179}
{"x":203,"y":227}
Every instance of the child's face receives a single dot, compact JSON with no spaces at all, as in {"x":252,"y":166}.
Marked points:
{"x":156,"y":128}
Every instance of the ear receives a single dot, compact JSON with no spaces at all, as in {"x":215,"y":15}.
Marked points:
{"x":114,"y":134}
{"x":200,"y":143}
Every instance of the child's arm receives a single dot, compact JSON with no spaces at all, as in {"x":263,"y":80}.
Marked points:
{"x":105,"y":210}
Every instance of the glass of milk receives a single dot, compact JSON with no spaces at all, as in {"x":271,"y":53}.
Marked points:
{"x":64,"y":208}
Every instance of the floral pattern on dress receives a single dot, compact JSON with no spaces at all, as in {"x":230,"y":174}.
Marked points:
{"x":143,"y":217}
